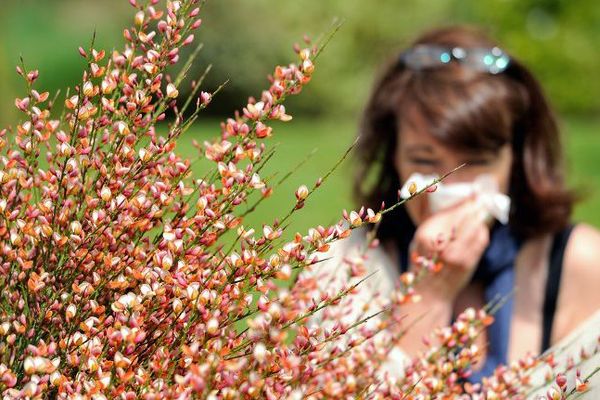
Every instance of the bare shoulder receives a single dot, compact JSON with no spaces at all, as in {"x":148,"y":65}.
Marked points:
{"x":579,"y":296}
{"x":582,"y":256}
{"x":584,"y":247}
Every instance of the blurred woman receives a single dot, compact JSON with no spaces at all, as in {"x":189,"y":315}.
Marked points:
{"x":455,"y":97}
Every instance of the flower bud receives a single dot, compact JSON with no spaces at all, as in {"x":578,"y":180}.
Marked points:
{"x":92,"y":364}
{"x":153,"y":56}
{"x":105,"y":194}
{"x":212,"y":326}
{"x":285,"y":272}
{"x":263,"y":131}
{"x":105,"y":380}
{"x":580,"y":385}
{"x":407,"y":278}
{"x":308,"y":67}
{"x":29,"y":366}
{"x":304,"y":54}
{"x":88,"y":89}
{"x":373,"y":217}
{"x":412,"y":188}
{"x":146,"y":290}
{"x":76,"y":227}
{"x":205,"y":97}
{"x":121,"y":361}
{"x":274,"y":311}
{"x":144,"y":154}
{"x":22,"y":104}
{"x":177,"y":305}
{"x":196,"y":24}
{"x":33,"y":75}
{"x":553,"y":394}
{"x":56,"y":378}
{"x":260,"y":352}
{"x":172,"y":91}
{"x":30,"y":389}
{"x":4,"y":328}
{"x":15,"y":239}
{"x":139,"y":18}
{"x":145,"y":38}
{"x":123,"y":128}
{"x":192,"y":291}
{"x":205,"y":296}
{"x":355,"y":219}
{"x":302,"y":193}
{"x":150,"y":68}
{"x":71,"y":311}
{"x":561,"y":381}
{"x":188,"y":40}
{"x":167,"y":262}
{"x":107,"y":87}
{"x":72,"y":102}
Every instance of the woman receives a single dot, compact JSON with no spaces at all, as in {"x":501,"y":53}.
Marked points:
{"x":455,"y":98}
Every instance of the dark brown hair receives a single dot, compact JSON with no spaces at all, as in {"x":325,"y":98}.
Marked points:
{"x":467,"y":109}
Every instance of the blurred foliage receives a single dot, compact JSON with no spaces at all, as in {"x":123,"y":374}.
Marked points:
{"x":47,"y":34}
{"x":244,"y":39}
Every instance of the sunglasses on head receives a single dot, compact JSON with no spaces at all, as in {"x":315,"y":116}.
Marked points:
{"x":493,"y":61}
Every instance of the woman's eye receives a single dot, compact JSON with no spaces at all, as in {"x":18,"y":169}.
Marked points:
{"x":478,"y":162}
{"x":423,"y":161}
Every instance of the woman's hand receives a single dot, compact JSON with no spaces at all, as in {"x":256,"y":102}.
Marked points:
{"x":457,"y":237}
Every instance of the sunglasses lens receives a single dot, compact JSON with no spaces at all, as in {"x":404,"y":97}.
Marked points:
{"x":426,"y":57}
{"x":492,"y":61}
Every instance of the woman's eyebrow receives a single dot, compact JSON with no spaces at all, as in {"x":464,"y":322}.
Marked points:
{"x":419,"y":147}
{"x":482,"y":153}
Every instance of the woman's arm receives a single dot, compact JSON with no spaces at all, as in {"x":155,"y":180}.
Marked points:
{"x":457,"y":237}
{"x":579,"y":295}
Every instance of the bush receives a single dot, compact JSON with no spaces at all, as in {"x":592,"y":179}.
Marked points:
{"x":119,"y":280}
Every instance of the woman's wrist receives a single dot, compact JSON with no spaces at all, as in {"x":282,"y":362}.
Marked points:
{"x":432,"y":311}
{"x":435,"y":295}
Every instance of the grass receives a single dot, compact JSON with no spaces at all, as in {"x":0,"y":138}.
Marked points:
{"x":301,"y":136}
{"x":295,"y":141}
{"x":582,"y":142}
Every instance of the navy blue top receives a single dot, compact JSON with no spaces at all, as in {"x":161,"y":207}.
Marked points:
{"x":496,"y":271}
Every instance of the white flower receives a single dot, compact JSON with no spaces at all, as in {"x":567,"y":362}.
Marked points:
{"x":415,"y":183}
{"x":260,"y":352}
{"x":172,"y":91}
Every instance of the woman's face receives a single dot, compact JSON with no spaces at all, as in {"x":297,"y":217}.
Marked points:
{"x":420,"y":152}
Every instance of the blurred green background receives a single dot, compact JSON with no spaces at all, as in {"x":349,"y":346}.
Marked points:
{"x":245,"y":39}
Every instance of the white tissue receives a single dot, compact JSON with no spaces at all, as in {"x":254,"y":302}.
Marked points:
{"x":484,"y":187}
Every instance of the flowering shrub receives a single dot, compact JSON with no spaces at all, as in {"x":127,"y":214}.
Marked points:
{"x":119,"y":282}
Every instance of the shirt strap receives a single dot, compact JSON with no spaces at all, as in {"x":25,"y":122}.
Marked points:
{"x":555,"y":265}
